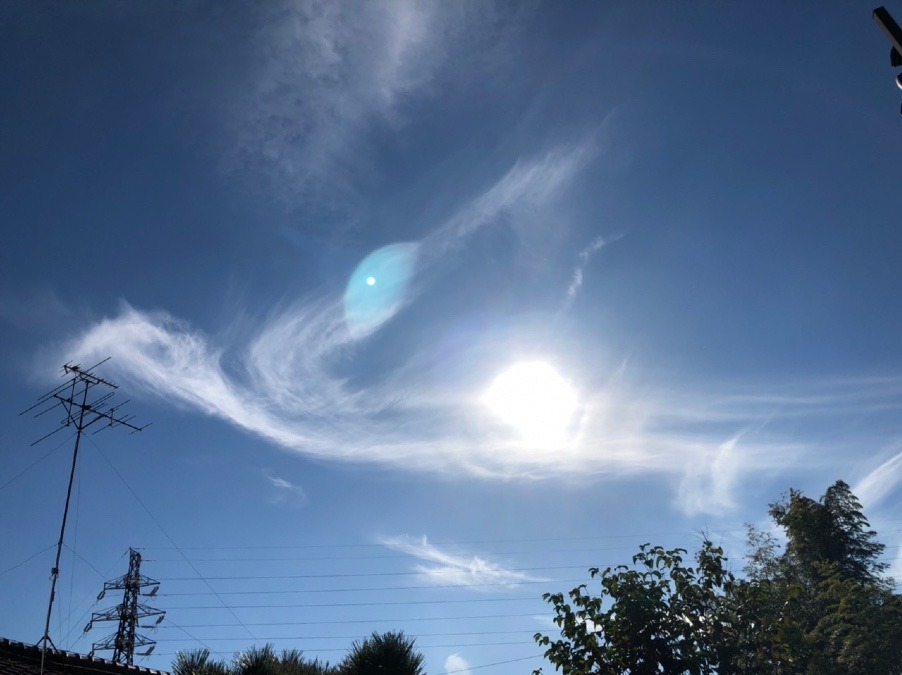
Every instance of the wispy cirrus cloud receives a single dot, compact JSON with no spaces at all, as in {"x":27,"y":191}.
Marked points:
{"x":528,"y":185}
{"x":290,"y":383}
{"x":443,"y":567}
{"x":576,"y":279}
{"x":880,"y":483}
{"x":285,"y":389}
{"x":283,"y":491}
{"x":322,"y":76}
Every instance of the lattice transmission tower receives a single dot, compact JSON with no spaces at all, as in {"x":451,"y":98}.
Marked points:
{"x":128,"y":613}
{"x":83,"y":410}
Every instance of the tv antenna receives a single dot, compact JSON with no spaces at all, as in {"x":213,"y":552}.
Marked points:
{"x":82,"y":410}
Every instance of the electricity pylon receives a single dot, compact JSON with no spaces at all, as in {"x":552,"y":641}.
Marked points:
{"x":128,"y":613}
{"x":82,"y":412}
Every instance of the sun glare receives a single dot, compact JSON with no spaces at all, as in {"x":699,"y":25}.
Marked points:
{"x":533,"y":398}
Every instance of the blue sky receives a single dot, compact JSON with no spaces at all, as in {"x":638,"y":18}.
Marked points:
{"x":318,"y":239}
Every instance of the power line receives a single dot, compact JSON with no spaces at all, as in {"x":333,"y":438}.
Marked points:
{"x":369,"y":604}
{"x":419,"y":646}
{"x":407,"y":555}
{"x":349,"y":637}
{"x":89,"y":595}
{"x":489,"y":665}
{"x":634,"y":535}
{"x":340,"y":575}
{"x":166,"y":534}
{"x":450,"y":542}
{"x":194,"y":638}
{"x":38,"y":461}
{"x":351,"y":575}
{"x":383,"y":588}
{"x":85,"y":561}
{"x":396,"y":556}
{"x":27,"y":560}
{"x":316,"y":622}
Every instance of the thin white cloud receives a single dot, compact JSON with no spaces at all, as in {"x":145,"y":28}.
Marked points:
{"x":527,"y":186}
{"x":286,"y":492}
{"x":708,"y":485}
{"x":576,"y":280}
{"x":880,"y":483}
{"x":457,"y":664}
{"x":447,"y":568}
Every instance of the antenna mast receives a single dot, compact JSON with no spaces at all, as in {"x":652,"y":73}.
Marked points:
{"x":126,"y":638}
{"x":82,"y":411}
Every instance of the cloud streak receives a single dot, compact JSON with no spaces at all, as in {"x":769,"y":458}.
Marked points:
{"x":880,"y":483}
{"x":576,"y":280}
{"x":439,"y":566}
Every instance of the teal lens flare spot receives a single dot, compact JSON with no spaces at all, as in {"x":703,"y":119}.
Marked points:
{"x":378,"y":287}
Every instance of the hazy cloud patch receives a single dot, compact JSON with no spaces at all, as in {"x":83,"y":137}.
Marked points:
{"x":455,"y":663}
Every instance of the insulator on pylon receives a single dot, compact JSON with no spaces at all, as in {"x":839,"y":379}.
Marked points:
{"x":128,"y":613}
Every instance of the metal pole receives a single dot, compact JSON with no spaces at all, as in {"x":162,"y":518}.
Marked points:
{"x":54,"y":573}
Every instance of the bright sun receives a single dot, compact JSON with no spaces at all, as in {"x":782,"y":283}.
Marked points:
{"x":533,"y":398}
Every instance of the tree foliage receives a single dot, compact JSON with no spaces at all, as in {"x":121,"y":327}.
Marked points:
{"x":821,"y":606}
{"x":255,"y":661}
{"x":658,"y":616}
{"x":391,"y":653}
{"x":380,"y":654}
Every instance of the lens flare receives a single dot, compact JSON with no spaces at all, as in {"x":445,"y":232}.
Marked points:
{"x":378,"y":287}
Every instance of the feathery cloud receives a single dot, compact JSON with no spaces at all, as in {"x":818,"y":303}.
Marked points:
{"x":880,"y":483}
{"x":289,"y":384}
{"x":286,"y":390}
{"x":447,"y":568}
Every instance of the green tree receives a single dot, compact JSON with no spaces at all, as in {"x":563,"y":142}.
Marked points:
{"x":255,"y":661}
{"x":391,"y":653}
{"x":830,"y":531}
{"x":197,"y":662}
{"x":818,"y":607}
{"x":659,"y":615}
{"x":830,"y":609}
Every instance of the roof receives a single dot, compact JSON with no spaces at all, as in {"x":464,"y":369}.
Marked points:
{"x":18,"y":658}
